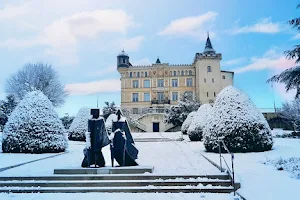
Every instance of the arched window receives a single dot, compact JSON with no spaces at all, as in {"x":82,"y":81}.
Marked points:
{"x":138,"y":74}
{"x":182,"y":73}
{"x":134,"y":74}
{"x":130,"y":74}
{"x":190,"y":73}
{"x":174,"y":73}
{"x":186,"y":72}
{"x":146,"y":74}
{"x":208,"y":68}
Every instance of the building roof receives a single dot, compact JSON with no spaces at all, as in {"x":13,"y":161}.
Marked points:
{"x":123,"y":53}
{"x":208,"y":46}
{"x":157,"y":61}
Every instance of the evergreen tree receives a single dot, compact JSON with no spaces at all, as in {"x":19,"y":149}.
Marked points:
{"x":109,"y":108}
{"x":291,"y":77}
{"x":34,"y":127}
{"x":177,"y":114}
{"x":6,"y":108}
{"x":67,"y":120}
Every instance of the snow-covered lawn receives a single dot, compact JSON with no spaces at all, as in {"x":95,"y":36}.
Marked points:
{"x":261,"y":181}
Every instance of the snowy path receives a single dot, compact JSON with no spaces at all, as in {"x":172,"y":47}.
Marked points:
{"x":166,"y":157}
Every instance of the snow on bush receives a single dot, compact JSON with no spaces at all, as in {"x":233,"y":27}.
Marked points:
{"x":195,"y":130}
{"x":187,"y":122}
{"x":109,"y":122}
{"x":237,"y":119}
{"x":34,"y":127}
{"x":80,"y":125}
{"x":291,"y":165}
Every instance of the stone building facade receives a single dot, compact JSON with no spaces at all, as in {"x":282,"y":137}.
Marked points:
{"x":147,"y":90}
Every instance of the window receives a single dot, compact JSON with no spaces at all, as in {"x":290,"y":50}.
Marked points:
{"x":207,"y":94}
{"x":135,"y":111}
{"x":174,"y":83}
{"x":189,"y":82}
{"x":160,"y":83}
{"x":223,"y":77}
{"x":146,"y":83}
{"x":147,"y":96}
{"x":130,"y":74}
{"x":182,"y":73}
{"x":124,"y":60}
{"x":174,"y":73}
{"x":204,"y":80}
{"x":135,"y":83}
{"x":208,"y":68}
{"x":190,"y":73}
{"x":146,"y":74}
{"x":174,"y":96}
{"x":160,"y":96}
{"x":214,"y":94}
{"x":213,"y":80}
{"x":189,"y":95}
{"x":135,"y":97}
{"x":138,"y":74}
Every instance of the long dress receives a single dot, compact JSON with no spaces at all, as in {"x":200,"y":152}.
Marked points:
{"x":99,"y":139}
{"x":124,"y":150}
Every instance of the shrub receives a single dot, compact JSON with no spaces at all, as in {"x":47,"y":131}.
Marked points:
{"x":242,"y":125}
{"x":80,"y":125}
{"x":34,"y":127}
{"x":187,"y":122}
{"x":195,"y":130}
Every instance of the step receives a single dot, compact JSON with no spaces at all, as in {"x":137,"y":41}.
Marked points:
{"x":147,"y":189}
{"x":113,"y":177}
{"x":107,"y":170}
{"x":124,"y":183}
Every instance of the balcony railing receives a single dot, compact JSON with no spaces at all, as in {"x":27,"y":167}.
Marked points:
{"x":163,"y":101}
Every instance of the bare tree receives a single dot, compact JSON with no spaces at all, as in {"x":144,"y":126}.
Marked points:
{"x":37,"y":76}
{"x":291,"y":112}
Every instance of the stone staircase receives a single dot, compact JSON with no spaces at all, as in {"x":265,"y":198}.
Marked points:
{"x":91,"y":180}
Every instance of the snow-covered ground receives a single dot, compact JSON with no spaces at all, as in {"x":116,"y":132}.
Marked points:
{"x":259,"y":181}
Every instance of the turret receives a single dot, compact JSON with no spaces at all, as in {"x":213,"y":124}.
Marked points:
{"x":123,"y":60}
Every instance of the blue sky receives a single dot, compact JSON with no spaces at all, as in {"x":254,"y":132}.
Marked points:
{"x":81,"y":39}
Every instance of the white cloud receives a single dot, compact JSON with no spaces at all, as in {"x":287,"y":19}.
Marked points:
{"x":196,"y":26}
{"x":269,"y":61}
{"x":103,"y":72}
{"x":11,"y":11}
{"x":62,"y":36}
{"x":296,"y":37}
{"x":143,"y":61}
{"x":111,"y":85}
{"x":132,"y":44}
{"x":265,"y":25}
{"x":234,"y":61}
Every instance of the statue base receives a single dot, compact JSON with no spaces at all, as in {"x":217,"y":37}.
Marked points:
{"x":107,"y":170}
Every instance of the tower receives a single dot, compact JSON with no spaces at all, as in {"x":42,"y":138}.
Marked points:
{"x":123,"y":60}
{"x":208,"y":73}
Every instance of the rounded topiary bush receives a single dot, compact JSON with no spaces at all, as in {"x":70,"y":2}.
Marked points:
{"x":195,"y":130}
{"x":34,"y":127}
{"x":79,"y":125}
{"x":187,"y":122}
{"x":237,"y":119}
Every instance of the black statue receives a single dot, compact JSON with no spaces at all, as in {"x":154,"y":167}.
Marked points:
{"x":123,"y":148}
{"x":98,"y":139}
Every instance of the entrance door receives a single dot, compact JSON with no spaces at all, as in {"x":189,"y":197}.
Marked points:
{"x":155,"y":127}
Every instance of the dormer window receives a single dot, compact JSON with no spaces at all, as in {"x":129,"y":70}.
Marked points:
{"x":208,"y":68}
